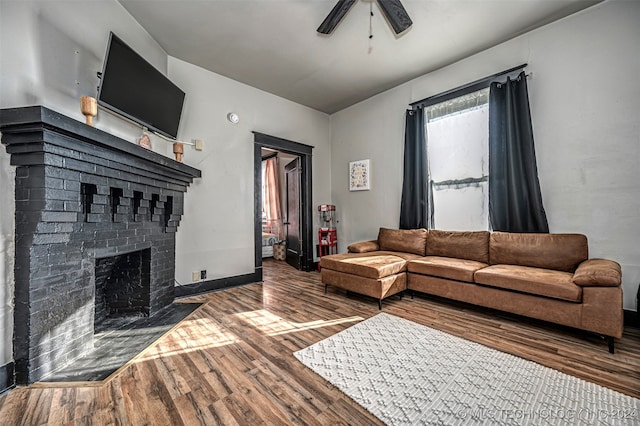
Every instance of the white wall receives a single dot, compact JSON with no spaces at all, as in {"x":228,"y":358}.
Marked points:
{"x":373,"y":129}
{"x":216,"y":232}
{"x":585,"y":101}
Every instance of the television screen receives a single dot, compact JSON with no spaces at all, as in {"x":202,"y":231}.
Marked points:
{"x":132,"y":87}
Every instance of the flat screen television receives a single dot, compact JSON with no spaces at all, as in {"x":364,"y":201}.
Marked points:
{"x":132,"y":87}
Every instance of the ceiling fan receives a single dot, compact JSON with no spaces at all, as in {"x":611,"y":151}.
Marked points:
{"x":392,"y":9}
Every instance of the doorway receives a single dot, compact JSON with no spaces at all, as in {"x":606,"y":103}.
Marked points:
{"x":298,"y":179}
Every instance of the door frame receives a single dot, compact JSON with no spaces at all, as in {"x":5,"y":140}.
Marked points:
{"x":261,"y":140}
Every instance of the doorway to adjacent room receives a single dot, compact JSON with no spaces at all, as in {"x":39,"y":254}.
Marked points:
{"x":295,"y":227}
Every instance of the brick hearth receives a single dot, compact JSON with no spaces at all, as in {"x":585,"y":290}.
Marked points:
{"x":85,"y":198}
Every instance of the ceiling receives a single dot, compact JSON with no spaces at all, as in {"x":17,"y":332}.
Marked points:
{"x":273,"y":44}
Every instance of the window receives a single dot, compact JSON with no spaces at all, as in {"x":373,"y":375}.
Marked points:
{"x":458,"y":155}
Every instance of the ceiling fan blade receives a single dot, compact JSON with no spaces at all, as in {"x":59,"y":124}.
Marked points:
{"x":396,"y":15}
{"x":335,"y":16}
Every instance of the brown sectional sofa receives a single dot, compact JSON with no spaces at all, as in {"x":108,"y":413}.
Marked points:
{"x":543,"y":276}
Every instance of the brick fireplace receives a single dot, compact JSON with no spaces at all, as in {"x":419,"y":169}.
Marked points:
{"x":96,"y":218}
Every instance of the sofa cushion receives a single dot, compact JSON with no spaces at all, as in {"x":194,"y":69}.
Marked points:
{"x":406,"y":240}
{"x":446,"y":267}
{"x":370,"y":265}
{"x":598,"y":272}
{"x":541,"y":282}
{"x":363,"y":247}
{"x":458,"y":244}
{"x":561,"y":252}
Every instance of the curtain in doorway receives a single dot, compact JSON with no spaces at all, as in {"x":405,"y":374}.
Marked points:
{"x":271,"y":203}
{"x":515,"y":200}
{"x":414,"y":207}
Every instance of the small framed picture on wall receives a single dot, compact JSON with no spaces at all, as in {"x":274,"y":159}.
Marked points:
{"x":359,"y":176}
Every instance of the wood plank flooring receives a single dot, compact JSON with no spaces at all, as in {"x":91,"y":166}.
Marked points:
{"x":231,"y":361}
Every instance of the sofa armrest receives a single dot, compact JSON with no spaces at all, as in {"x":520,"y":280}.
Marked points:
{"x":363,"y":246}
{"x":598,"y":273}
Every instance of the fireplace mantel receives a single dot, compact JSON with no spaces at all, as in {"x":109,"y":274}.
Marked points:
{"x":82,"y":195}
{"x":39,"y":118}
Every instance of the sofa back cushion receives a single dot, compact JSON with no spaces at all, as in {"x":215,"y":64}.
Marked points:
{"x":405,"y":240}
{"x":561,"y":252}
{"x":472,"y":245}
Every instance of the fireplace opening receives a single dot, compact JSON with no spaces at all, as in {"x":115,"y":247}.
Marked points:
{"x":123,"y":284}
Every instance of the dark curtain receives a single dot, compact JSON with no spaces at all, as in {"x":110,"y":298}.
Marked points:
{"x":414,"y":205}
{"x":515,"y":200}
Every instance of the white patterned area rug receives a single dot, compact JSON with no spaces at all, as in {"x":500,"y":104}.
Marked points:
{"x":406,"y":373}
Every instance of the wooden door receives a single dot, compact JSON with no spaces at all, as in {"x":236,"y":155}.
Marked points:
{"x":293,"y":224}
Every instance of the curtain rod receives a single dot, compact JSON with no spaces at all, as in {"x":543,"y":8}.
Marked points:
{"x":270,"y":155}
{"x":463,"y":90}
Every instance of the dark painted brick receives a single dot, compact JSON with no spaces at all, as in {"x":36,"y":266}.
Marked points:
{"x":107,"y":234}
{"x":40,"y":239}
{"x":22,"y":194}
{"x":53,"y":160}
{"x":81,"y":166}
{"x":27,"y":217}
{"x":59,"y":217}
{"x":30,"y":205}
{"x":73,"y":256}
{"x":72,"y":185}
{"x":38,"y":193}
{"x":120,"y":218}
{"x":103,"y":190}
{"x":73,"y":206}
{"x":55,"y":205}
{"x":28,"y":159}
{"x":31,"y":181}
{"x":95,"y":180}
{"x":135,"y":240}
{"x":98,"y":208}
{"x":61,"y":194}
{"x":100,"y":199}
{"x":98,"y":217}
{"x":60,"y":173}
{"x":52,"y":227}
{"x":116,"y":242}
{"x":54,"y":183}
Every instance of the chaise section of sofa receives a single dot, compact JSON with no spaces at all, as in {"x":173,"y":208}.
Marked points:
{"x":375,"y":268}
{"x":543,"y":276}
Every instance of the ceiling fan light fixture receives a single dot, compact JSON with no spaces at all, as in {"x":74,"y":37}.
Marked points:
{"x":396,"y":15}
{"x":392,"y":9}
{"x":335,"y":16}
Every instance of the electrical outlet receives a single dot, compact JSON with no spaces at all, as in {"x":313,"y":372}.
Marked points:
{"x":198,"y":144}
{"x":203,"y":274}
{"x":195,"y":276}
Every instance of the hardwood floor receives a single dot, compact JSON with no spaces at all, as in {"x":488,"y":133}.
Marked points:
{"x":231,"y":361}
